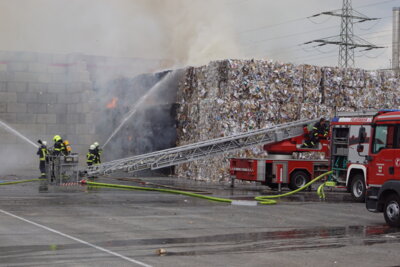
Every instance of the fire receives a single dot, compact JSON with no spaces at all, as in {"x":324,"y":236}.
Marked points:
{"x":113,"y":103}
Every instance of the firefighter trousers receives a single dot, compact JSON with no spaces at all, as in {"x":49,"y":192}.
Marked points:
{"x":42,"y":168}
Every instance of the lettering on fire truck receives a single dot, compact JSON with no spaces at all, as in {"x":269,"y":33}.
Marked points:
{"x":355,"y":120}
{"x":380,"y":169}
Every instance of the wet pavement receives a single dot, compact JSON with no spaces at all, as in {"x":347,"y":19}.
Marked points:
{"x":73,"y":225}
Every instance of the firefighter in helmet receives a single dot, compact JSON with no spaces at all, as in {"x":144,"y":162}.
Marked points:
{"x":59,"y":147}
{"x":42,"y":152}
{"x":319,"y":130}
{"x":91,"y":156}
{"x":97,"y":151}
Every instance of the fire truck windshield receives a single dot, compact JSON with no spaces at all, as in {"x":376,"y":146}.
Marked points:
{"x":380,"y":138}
{"x":384,"y":138}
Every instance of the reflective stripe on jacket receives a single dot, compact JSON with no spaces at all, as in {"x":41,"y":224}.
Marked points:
{"x":42,"y":152}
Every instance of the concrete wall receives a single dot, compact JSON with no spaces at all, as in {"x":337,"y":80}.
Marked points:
{"x":43,"y":95}
{"x":46,"y":94}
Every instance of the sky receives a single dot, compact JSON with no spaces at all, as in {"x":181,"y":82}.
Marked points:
{"x":193,"y":32}
{"x":280,"y":30}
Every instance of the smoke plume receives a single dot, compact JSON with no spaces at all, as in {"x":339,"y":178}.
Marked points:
{"x":178,"y":31}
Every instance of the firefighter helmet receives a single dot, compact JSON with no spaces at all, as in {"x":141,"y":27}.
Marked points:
{"x":92,"y":147}
{"x":96,"y":144}
{"x":44,"y":143}
{"x":56,"y":138}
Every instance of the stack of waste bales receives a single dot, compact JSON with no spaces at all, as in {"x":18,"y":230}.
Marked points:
{"x":234,"y":96}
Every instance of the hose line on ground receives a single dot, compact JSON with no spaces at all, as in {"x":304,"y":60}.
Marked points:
{"x":22,"y":181}
{"x":265,"y":200}
{"x":159,"y":190}
{"x":320,"y":190}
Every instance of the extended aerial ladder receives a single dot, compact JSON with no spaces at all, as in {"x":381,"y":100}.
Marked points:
{"x":204,"y":149}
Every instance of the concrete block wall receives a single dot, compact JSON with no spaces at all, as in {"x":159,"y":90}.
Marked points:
{"x":42,"y":95}
{"x":45,"y":94}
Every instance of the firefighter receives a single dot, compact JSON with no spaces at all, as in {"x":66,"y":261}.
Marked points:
{"x":59,"y":147}
{"x":320,"y":129}
{"x":42,"y":152}
{"x":97,"y":151}
{"x":91,"y":156}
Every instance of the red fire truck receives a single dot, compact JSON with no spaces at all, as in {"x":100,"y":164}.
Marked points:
{"x":355,"y":163}
{"x":382,"y":161}
{"x":280,"y":167}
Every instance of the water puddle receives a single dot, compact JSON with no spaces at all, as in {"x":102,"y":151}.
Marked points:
{"x":254,"y":242}
{"x":298,"y":239}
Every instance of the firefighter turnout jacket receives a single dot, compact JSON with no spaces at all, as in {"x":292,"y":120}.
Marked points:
{"x":90,"y":158}
{"x":320,"y":128}
{"x":59,"y":146}
{"x":42,"y":152}
{"x":97,"y":152}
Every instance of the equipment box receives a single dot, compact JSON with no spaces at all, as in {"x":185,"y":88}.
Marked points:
{"x":62,"y":169}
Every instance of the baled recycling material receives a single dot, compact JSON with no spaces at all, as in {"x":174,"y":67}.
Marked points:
{"x":233,"y":96}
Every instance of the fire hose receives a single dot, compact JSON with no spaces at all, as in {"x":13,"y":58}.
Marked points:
{"x":320,"y":190}
{"x":22,"y":181}
{"x":264,"y":200}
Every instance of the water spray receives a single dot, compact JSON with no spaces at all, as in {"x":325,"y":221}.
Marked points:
{"x":15,"y":132}
{"x":138,"y":104}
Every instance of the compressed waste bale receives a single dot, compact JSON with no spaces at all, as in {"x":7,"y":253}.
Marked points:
{"x":234,"y":96}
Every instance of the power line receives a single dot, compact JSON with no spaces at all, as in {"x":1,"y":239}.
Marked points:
{"x":296,"y":34}
{"x":308,"y":57}
{"x":288,"y":49}
{"x":346,"y":41}
{"x":377,"y":3}
{"x":291,"y":35}
{"x":304,"y":18}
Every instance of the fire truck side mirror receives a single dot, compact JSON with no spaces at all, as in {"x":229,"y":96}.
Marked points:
{"x":362,"y":134}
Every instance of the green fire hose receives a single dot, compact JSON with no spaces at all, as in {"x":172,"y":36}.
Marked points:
{"x":320,"y":190}
{"x":22,"y":181}
{"x":171,"y":191}
{"x":265,"y":200}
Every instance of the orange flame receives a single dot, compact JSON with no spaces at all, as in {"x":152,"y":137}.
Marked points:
{"x":113,"y":103}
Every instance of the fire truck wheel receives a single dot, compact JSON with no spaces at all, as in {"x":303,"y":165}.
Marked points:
{"x":298,"y":179}
{"x":357,"y":188}
{"x":392,"y":210}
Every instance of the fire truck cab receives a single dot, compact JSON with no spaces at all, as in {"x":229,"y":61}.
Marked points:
{"x":381,"y":155}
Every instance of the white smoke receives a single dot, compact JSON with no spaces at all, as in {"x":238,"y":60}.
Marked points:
{"x":178,"y":31}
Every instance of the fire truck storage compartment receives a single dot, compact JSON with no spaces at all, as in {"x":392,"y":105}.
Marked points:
{"x":244,"y":169}
{"x":340,"y":151}
{"x":280,"y":172}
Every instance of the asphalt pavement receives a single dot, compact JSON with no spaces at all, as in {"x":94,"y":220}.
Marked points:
{"x":74,"y":225}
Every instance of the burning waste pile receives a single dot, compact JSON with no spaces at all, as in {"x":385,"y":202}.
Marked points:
{"x":233,"y":96}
